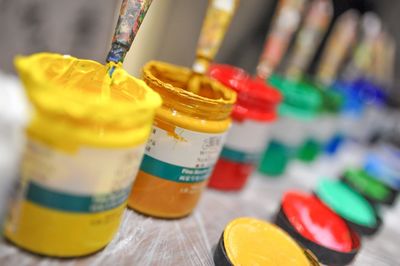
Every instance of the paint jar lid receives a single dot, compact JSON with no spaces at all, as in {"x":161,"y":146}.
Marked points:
{"x":376,"y":166}
{"x":276,"y":80}
{"x":249,"y":241}
{"x":317,"y":228}
{"x":352,"y":103}
{"x":332,"y":100}
{"x":301,"y":100}
{"x":369,"y":187}
{"x":256,"y":100}
{"x":315,"y":221}
{"x":369,"y":92}
{"x":338,"y":196}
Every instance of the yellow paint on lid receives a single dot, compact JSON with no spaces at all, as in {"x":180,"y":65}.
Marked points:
{"x":250,"y":241}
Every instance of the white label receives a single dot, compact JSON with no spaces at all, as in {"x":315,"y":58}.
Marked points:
{"x":185,"y":156}
{"x":88,"y":171}
{"x":89,"y":180}
{"x":248,"y":136}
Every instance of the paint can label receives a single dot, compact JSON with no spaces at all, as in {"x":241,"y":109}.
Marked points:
{"x":246,"y":141}
{"x":89,"y":180}
{"x":184,"y":156}
{"x":79,"y":195}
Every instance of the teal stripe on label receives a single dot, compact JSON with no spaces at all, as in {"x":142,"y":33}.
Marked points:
{"x":74,"y":203}
{"x":239,"y":156}
{"x":173,"y":172}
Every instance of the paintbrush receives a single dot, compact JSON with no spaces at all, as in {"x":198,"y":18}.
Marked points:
{"x":218,"y":17}
{"x":285,"y":23}
{"x":130,"y":18}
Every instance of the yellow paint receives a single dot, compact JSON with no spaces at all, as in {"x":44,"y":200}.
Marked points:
{"x":77,"y":106}
{"x":61,"y":234}
{"x":207,"y":111}
{"x":250,"y":241}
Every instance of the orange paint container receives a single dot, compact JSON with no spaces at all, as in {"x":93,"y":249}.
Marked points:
{"x":186,"y":140}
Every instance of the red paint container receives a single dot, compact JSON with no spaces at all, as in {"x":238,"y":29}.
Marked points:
{"x":318,"y":228}
{"x":252,"y":116}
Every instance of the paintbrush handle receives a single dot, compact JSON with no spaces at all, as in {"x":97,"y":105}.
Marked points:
{"x":130,"y":18}
{"x":286,"y":21}
{"x":218,"y":17}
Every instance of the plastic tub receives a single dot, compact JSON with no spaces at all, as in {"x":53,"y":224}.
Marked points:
{"x":84,"y":145}
{"x":187,"y":137}
{"x":253,"y":115}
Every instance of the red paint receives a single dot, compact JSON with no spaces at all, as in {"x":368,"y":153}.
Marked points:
{"x":229,"y":175}
{"x":316,"y":222}
{"x":256,"y":101}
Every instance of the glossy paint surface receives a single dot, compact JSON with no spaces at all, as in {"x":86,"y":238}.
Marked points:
{"x":316,"y":222}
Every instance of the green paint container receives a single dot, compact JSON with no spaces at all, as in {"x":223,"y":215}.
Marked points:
{"x":351,"y":206}
{"x":369,"y":187}
{"x":309,"y":151}
{"x":300,"y":107}
{"x":275,"y":159}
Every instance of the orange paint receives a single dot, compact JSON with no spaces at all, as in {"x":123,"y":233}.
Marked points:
{"x":185,"y":142}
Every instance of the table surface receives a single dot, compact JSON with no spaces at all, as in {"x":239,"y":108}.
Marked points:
{"x":189,"y":241}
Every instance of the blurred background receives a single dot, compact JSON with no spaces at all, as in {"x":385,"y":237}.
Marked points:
{"x":83,"y":28}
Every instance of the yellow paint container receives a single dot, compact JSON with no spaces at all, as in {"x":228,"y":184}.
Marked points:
{"x":187,"y":137}
{"x":249,"y":241}
{"x":85,"y":143}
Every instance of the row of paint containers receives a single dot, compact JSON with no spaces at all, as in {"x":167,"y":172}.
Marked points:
{"x":92,"y":144}
{"x":316,"y":226}
{"x":321,"y":220}
{"x":42,"y":211}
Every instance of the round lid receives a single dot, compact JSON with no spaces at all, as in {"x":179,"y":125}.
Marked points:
{"x":363,"y":182}
{"x":301,"y":100}
{"x":316,"y":222}
{"x":346,"y":202}
{"x":351,"y":100}
{"x":369,"y":92}
{"x":332,"y":100}
{"x":276,"y":80}
{"x":256,"y":100}
{"x":250,"y":241}
{"x":228,"y":75}
{"x":379,"y":169}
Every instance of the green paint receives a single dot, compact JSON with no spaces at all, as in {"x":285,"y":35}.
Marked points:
{"x":346,"y":202}
{"x":367,"y":185}
{"x":301,"y":100}
{"x":275,"y":159}
{"x":309,"y":151}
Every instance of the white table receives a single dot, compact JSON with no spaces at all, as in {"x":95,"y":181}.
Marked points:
{"x":189,"y":241}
